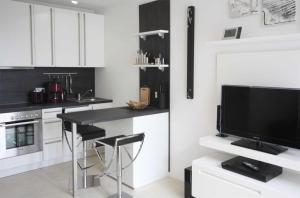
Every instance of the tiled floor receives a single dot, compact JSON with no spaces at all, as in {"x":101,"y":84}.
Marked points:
{"x":52,"y":182}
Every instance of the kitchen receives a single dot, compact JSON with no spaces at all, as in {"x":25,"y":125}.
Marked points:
{"x":54,"y":65}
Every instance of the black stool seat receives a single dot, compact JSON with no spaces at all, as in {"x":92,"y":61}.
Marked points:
{"x":121,"y":140}
{"x":91,"y":132}
{"x":109,"y":141}
{"x":87,"y":132}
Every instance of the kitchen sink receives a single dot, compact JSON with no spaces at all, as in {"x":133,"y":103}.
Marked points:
{"x":84,"y":100}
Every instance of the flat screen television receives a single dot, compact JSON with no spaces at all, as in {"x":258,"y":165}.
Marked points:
{"x":266,"y":115}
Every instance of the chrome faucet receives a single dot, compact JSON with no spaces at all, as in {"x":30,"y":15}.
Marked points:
{"x":79,"y":96}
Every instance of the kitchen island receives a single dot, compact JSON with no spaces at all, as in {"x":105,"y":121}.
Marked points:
{"x":152,"y":164}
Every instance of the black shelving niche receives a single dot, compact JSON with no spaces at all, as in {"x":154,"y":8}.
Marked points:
{"x":156,"y":16}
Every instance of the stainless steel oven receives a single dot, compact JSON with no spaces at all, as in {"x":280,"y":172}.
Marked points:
{"x":20,"y":133}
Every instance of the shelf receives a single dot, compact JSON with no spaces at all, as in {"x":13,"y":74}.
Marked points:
{"x":161,"y":33}
{"x":289,"y":159}
{"x":255,"y":40}
{"x":285,"y":185}
{"x":143,"y":67}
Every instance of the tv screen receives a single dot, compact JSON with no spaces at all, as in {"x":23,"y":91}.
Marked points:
{"x":265,"y":114}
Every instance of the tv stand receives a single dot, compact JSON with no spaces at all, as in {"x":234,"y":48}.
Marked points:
{"x":260,"y":146}
{"x":216,"y":182}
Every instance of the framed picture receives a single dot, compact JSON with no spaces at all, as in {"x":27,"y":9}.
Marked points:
{"x":232,"y":33}
{"x":279,"y":11}
{"x":239,"y":8}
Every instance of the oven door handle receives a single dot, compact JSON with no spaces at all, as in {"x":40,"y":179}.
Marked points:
{"x":20,"y":123}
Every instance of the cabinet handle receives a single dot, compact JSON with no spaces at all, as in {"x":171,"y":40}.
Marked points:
{"x":52,"y":36}
{"x":84,"y":38}
{"x":58,"y":111}
{"x":53,"y":142}
{"x":52,"y":122}
{"x":20,"y":123}
{"x":32,"y":37}
{"x":79,"y":39}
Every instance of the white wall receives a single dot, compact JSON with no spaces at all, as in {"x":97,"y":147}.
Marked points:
{"x":119,"y":80}
{"x":191,"y":119}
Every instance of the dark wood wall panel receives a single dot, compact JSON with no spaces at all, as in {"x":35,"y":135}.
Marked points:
{"x":156,"y":16}
{"x":15,"y":85}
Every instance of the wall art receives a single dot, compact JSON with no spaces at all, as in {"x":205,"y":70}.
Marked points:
{"x":279,"y":11}
{"x":239,"y":8}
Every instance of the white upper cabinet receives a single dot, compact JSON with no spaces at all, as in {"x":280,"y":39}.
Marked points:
{"x":15,"y":34}
{"x":43,"y":36}
{"x":67,"y":38}
{"x":93,"y":40}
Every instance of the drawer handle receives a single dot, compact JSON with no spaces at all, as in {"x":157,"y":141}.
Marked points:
{"x":52,"y":122}
{"x":52,"y":111}
{"x":53,"y":142}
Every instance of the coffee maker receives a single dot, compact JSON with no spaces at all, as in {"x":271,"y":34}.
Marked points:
{"x":55,"y":92}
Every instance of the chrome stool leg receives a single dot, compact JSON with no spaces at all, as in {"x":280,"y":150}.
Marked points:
{"x":84,"y":163}
{"x":119,"y":194}
{"x":87,"y":181}
{"x":118,"y":142}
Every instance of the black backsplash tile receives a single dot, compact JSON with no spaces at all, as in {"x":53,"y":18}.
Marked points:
{"x":16,"y":85}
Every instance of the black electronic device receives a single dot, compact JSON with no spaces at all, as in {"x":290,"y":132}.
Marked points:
{"x":219,"y":118}
{"x":219,"y":123}
{"x":266,"y":117}
{"x":252,"y":168}
{"x":232,"y":33}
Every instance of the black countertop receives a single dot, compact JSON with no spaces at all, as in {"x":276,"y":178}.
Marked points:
{"x":105,"y":115}
{"x":30,"y":107}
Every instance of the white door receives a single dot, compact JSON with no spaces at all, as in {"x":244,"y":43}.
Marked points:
{"x":67,"y":38}
{"x":15,"y":34}
{"x":93,"y":40}
{"x":43,"y":35}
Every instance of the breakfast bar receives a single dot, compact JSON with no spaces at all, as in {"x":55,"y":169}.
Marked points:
{"x":153,"y":122}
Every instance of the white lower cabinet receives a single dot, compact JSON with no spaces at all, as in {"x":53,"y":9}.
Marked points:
{"x":52,"y":128}
{"x":52,"y":136}
{"x":52,"y":150}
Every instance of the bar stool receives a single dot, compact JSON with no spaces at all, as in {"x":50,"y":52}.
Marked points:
{"x":118,"y":142}
{"x":86,"y":133}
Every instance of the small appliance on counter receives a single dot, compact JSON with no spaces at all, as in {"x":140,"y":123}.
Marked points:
{"x":162,"y":98}
{"x":56,"y":93}
{"x":144,"y":99}
{"x":38,"y":96}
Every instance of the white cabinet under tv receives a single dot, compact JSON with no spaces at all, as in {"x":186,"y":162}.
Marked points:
{"x":210,"y":180}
